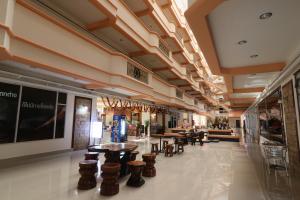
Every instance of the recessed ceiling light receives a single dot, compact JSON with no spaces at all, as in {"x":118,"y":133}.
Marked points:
{"x":265,"y":15}
{"x":242,"y":42}
{"x":254,"y":56}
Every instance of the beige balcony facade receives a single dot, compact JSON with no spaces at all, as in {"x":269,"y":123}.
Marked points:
{"x":90,"y":60}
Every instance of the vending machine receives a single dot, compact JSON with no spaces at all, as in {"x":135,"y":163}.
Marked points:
{"x":118,"y":131}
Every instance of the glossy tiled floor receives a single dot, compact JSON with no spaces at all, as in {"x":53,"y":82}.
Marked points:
{"x":216,"y":171}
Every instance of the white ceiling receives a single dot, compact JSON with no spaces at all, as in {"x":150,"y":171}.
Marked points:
{"x":250,"y":81}
{"x":273,"y":39}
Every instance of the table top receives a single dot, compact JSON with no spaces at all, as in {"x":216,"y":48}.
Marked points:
{"x":113,"y":147}
{"x":168,"y":135}
{"x":220,"y":131}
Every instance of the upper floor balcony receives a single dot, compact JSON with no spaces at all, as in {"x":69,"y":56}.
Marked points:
{"x":76,"y":53}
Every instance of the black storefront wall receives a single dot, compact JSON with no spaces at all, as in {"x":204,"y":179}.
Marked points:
{"x":9,"y":98}
{"x":41,"y":113}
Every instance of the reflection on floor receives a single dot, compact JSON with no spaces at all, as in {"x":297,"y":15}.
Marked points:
{"x":215,"y":171}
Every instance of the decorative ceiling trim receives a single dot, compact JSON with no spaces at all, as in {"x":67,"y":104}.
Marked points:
{"x":264,"y":68}
{"x":248,"y":90}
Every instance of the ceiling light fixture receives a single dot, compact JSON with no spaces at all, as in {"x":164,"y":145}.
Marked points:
{"x":254,"y":56}
{"x":265,"y":15}
{"x":242,"y":42}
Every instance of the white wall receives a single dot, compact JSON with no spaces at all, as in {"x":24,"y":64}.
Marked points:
{"x":18,"y":149}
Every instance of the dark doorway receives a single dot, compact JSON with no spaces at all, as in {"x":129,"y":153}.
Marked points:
{"x":81,"y":123}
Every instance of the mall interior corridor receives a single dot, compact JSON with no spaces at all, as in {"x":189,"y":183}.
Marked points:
{"x":149,"y":99}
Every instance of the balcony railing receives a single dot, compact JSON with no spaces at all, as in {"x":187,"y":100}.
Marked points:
{"x":137,"y":73}
{"x":164,"y":48}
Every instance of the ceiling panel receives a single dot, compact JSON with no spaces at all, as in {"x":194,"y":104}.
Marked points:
{"x":273,"y":39}
{"x":257,"y":80}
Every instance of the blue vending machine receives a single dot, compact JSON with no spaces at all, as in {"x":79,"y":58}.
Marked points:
{"x":118,"y":131}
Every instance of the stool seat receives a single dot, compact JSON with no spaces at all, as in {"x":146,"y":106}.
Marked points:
{"x":87,"y":170}
{"x":133,"y":155}
{"x":136,"y":167}
{"x":91,"y":156}
{"x":149,"y":155}
{"x":111,"y":167}
{"x":169,"y":150}
{"x":149,"y":170}
{"x":110,"y":175}
{"x":88,"y":163}
{"x":136,"y":163}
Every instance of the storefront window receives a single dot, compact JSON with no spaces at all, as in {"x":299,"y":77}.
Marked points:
{"x":297,"y":78}
{"x":270,"y":117}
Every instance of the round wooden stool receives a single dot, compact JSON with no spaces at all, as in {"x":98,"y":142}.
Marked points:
{"x":91,"y":156}
{"x":133,"y":155}
{"x":169,"y":150}
{"x":165,"y":143}
{"x":136,"y":168}
{"x":154,"y":148}
{"x":87,"y":170}
{"x":110,"y":175}
{"x":149,"y":169}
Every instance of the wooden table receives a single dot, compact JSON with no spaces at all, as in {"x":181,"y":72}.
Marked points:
{"x":113,"y":153}
{"x":177,"y":130}
{"x":167,"y":135}
{"x":220,"y":132}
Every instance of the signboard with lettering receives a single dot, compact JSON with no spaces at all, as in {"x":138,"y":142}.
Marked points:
{"x":37,"y":114}
{"x":9,"y":97}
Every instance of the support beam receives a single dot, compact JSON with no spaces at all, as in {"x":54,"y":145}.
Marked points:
{"x":241,"y":105}
{"x":138,"y":97}
{"x":167,"y":5}
{"x":177,"y":52}
{"x":137,"y":53}
{"x":93,"y":86}
{"x":185,"y":63}
{"x":187,"y":91}
{"x":143,"y":12}
{"x":248,"y":90}
{"x":173,"y":79}
{"x":274,"y":67}
{"x":242,"y":99}
{"x":161,"y":69}
{"x":100,"y":24}
{"x":228,"y":82}
{"x":184,"y":85}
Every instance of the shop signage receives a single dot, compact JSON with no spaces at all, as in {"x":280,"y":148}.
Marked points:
{"x":37,"y":114}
